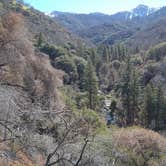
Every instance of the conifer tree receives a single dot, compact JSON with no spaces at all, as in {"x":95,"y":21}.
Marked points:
{"x":150,"y":105}
{"x":106,"y":54}
{"x":94,"y":57}
{"x":91,"y":85}
{"x":130,"y":93}
{"x":40,"y":40}
{"x":126,"y":92}
{"x":160,"y":103}
{"x":134,"y":95}
{"x":154,"y":106}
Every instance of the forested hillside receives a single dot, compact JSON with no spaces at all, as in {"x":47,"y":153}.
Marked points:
{"x":95,"y":96}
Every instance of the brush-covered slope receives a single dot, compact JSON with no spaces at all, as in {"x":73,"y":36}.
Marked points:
{"x":27,"y":79}
{"x":38,"y":22}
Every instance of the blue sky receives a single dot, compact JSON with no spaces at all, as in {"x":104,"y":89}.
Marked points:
{"x":90,"y":6}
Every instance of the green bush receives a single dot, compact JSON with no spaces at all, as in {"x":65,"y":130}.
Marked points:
{"x":81,"y":65}
{"x":136,"y":59}
{"x":151,"y":70}
{"x":116,"y":64}
{"x":52,"y":51}
{"x":67,"y":64}
{"x":93,"y":119}
{"x":81,"y":100}
{"x":158,"y":52}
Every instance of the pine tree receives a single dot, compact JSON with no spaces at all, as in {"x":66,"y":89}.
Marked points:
{"x":94,"y":57}
{"x":40,"y":40}
{"x":130,"y":93}
{"x":160,"y":103}
{"x":123,"y":52}
{"x":105,"y":54}
{"x":150,"y":105}
{"x":91,"y":85}
{"x":126,"y":92}
{"x":116,"y":52}
{"x":119,"y":49}
{"x":154,"y":106}
{"x":81,"y":49}
{"x":134,"y":95}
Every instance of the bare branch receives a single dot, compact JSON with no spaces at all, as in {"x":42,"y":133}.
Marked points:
{"x":82,"y":152}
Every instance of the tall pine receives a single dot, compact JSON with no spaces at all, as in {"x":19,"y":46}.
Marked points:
{"x":126,"y":93}
{"x":130,"y":93}
{"x":90,"y":84}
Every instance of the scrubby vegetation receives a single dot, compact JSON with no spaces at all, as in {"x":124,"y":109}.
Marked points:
{"x":136,"y":146}
{"x":68,"y":103}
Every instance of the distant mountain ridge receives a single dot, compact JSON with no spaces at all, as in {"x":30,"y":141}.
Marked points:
{"x":139,"y":11}
{"x":124,"y":26}
{"x":76,"y":22}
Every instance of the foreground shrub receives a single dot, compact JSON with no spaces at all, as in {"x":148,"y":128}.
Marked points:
{"x":138,"y":147}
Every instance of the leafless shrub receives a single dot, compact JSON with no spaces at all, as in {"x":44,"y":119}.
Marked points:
{"x":62,"y":136}
{"x":138,"y":147}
